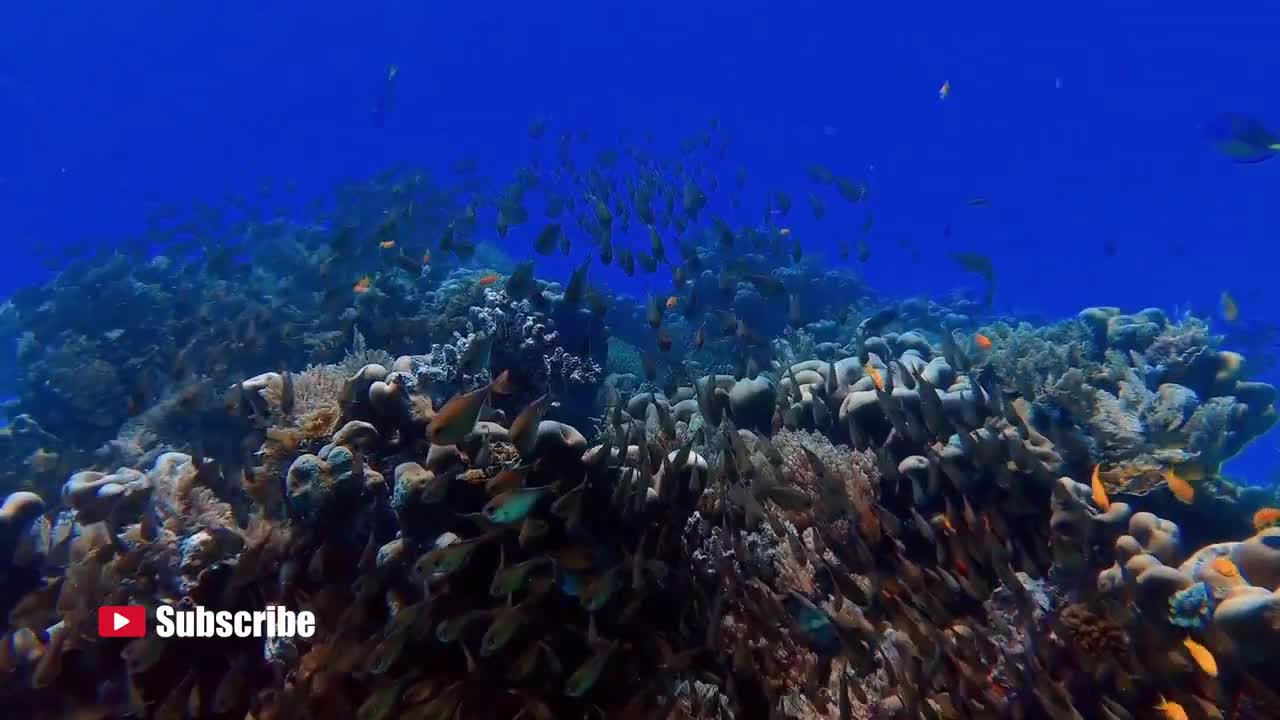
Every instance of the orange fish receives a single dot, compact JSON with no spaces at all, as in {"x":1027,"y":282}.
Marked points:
{"x":700,"y":338}
{"x":875,"y":376}
{"x":362,"y":285}
{"x":489,"y":279}
{"x":503,"y":385}
{"x":1171,"y":710}
{"x":426,"y":258}
{"x":1100,"y":491}
{"x":1224,"y":567}
{"x":1265,"y":518}
{"x":1202,"y":656}
{"x":1181,"y":488}
{"x":947,"y":527}
{"x":672,"y":301}
{"x":387,"y":244}
{"x":1230,"y":310}
{"x":982,"y":341}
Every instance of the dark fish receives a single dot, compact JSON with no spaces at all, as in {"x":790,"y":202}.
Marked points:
{"x":603,"y":216}
{"x":1109,"y":247}
{"x":1240,"y":137}
{"x":546,"y":242}
{"x":406,"y":263}
{"x":850,"y":190}
{"x":644,"y":210}
{"x":724,"y":233}
{"x":653,"y":311}
{"x":728,"y":283}
{"x":647,"y":262}
{"x":782,"y":202}
{"x":664,"y":340}
{"x":693,"y":200}
{"x":598,"y":305}
{"x":627,"y":262}
{"x":793,"y":310}
{"x":502,"y":223}
{"x":693,"y":305}
{"x":797,"y":252}
{"x":577,"y":285}
{"x":606,"y":247}
{"x":679,"y":276}
{"x":520,"y":282}
{"x":864,"y":251}
{"x":767,"y":285}
{"x":287,"y":396}
{"x":877,"y":322}
{"x":537,"y":128}
{"x":821,"y":174}
{"x":689,"y":252}
{"x":655,"y":244}
{"x":447,"y":238}
{"x":455,"y":420}
{"x":464,"y":249}
{"x":343,"y":240}
{"x":650,"y":365}
{"x":819,"y":209}
{"x":979,"y":265}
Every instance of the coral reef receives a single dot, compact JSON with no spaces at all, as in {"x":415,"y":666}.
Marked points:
{"x":509,"y":497}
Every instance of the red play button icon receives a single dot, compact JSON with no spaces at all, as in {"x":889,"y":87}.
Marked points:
{"x":123,"y":621}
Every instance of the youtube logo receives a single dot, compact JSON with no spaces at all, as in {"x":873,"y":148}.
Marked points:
{"x":122,"y":621}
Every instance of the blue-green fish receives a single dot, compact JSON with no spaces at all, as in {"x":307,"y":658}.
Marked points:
{"x":386,"y":653}
{"x":506,"y":622}
{"x":448,"y":559}
{"x":450,"y":630}
{"x":1241,"y":138}
{"x":513,"y":505}
{"x":597,"y":591}
{"x":585,"y":677}
{"x":510,"y":579}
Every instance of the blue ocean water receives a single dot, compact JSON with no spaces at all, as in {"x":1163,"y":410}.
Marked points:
{"x":1081,"y":128}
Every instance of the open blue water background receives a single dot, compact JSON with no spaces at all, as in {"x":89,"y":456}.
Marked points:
{"x":1080,"y":126}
